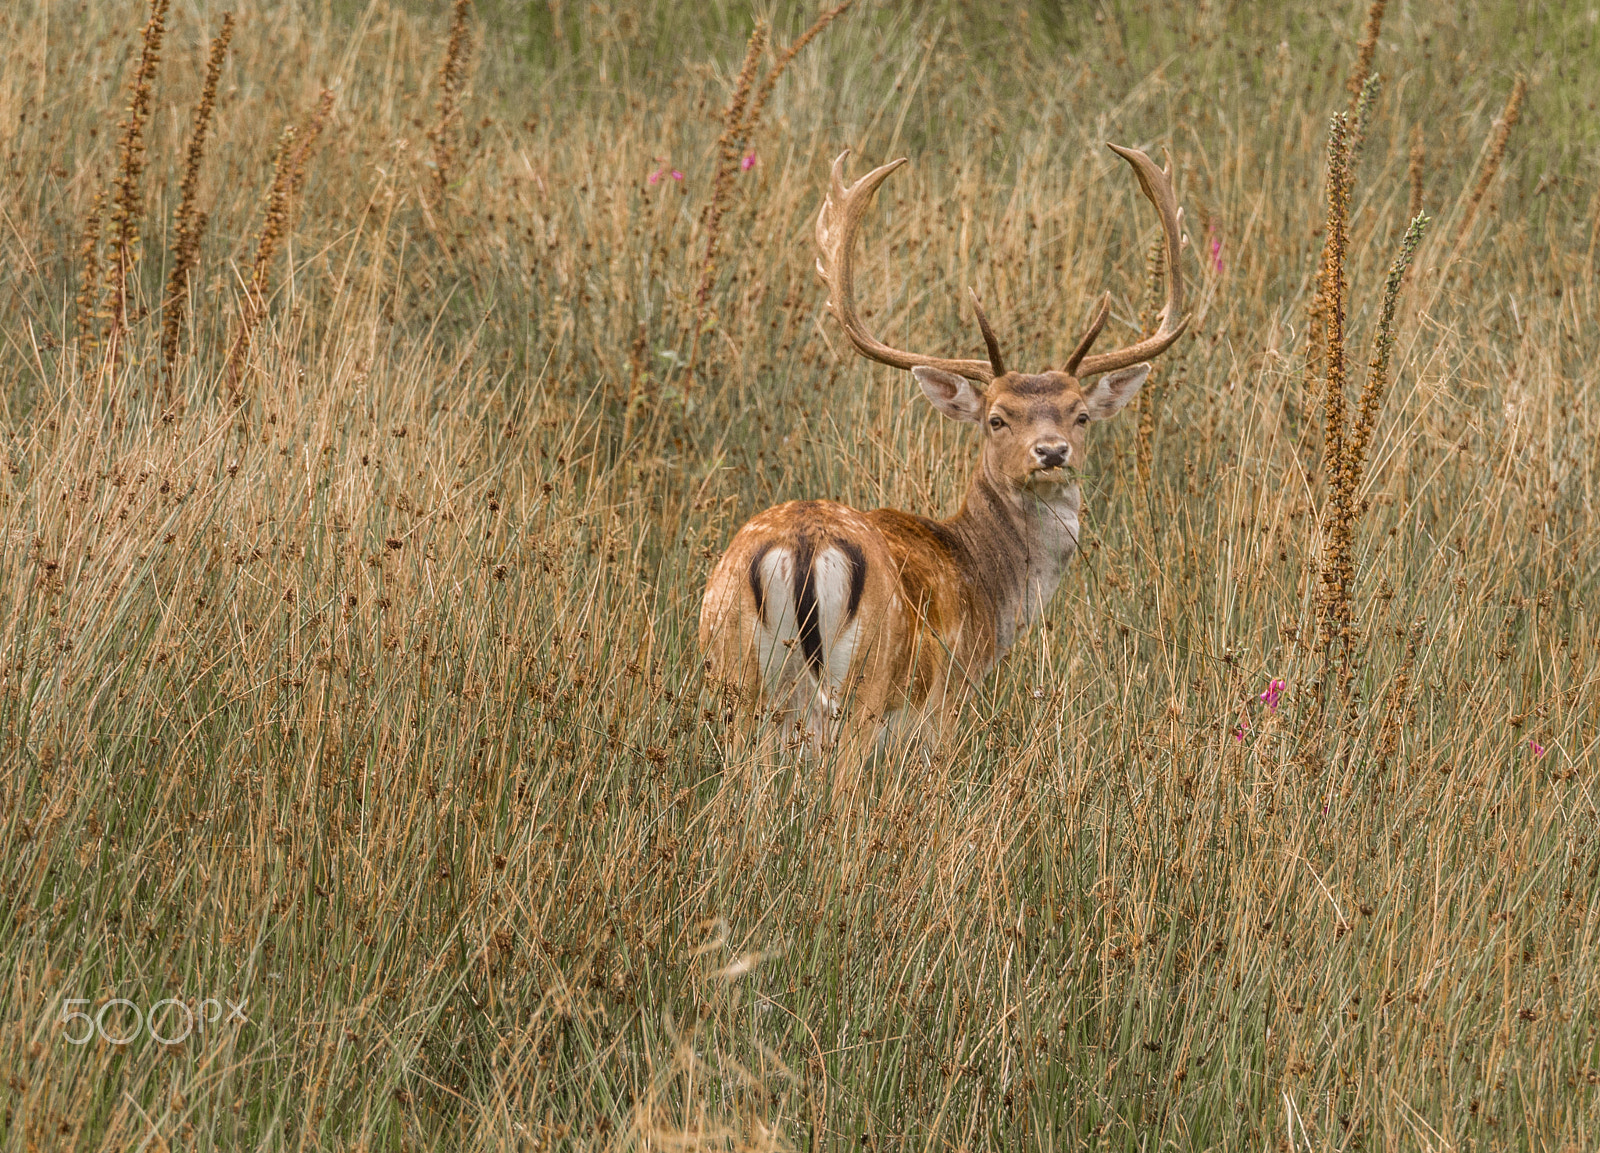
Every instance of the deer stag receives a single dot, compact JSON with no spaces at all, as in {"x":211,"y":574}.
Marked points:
{"x":816,"y":606}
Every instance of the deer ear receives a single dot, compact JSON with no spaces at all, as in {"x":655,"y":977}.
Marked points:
{"x":1106,"y":396}
{"x":955,"y":396}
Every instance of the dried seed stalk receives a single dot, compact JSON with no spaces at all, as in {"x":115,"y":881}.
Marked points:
{"x":759,"y":104}
{"x":1331,"y":290}
{"x":729,"y":147}
{"x":1362,"y":116}
{"x":452,"y":81}
{"x":294,"y":149}
{"x":1497,"y":150}
{"x":123,"y":237}
{"x":190,"y":223}
{"x":1365,"y":50}
{"x":1345,"y":449}
{"x":88,"y":302}
{"x":1317,"y":321}
{"x":739,"y":122}
{"x":274,"y":223}
{"x":1378,"y":370}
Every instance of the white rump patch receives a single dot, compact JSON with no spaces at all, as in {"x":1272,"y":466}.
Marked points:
{"x":784,"y":669}
{"x":778,"y":635}
{"x":839,"y":632}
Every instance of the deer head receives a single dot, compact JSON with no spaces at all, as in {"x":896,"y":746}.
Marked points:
{"x":1033,"y":423}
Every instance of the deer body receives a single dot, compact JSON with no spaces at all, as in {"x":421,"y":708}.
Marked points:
{"x":817,"y":607}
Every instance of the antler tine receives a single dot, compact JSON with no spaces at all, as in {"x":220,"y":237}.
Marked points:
{"x":1156,"y":183}
{"x":1101,"y":311}
{"x":993,"y":345}
{"x":837,"y":225}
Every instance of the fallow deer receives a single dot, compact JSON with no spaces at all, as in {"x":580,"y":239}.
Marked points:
{"x":816,"y":606}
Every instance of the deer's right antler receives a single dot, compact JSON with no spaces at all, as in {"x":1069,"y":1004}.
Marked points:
{"x":837,"y":225}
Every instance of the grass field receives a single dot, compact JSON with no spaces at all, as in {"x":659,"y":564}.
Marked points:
{"x":347,"y":639}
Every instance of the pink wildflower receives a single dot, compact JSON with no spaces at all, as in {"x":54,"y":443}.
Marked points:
{"x":1538,"y":749}
{"x":655,"y":177}
{"x":1274,"y":691}
{"x":1216,"y":246}
{"x":676,"y":175}
{"x":748,"y":162}
{"x":1238,"y":733}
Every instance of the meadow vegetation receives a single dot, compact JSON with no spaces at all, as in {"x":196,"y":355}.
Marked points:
{"x":365,"y":455}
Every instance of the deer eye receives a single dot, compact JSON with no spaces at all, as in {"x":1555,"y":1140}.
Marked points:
{"x":996,"y":423}
{"x":1083,"y":418}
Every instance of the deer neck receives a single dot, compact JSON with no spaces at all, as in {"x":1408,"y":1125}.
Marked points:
{"x":1017,"y":542}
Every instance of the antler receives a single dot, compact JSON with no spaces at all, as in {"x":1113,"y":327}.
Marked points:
{"x":837,"y":225}
{"x":1102,"y":310}
{"x":1157,"y":186}
{"x":997,"y":364}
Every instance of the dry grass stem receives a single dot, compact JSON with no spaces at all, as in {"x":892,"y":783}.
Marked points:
{"x":1416,"y":172}
{"x":1155,"y":272}
{"x":1400,"y":706}
{"x":638,"y":371}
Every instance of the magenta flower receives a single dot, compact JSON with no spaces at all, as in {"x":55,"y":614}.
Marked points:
{"x":1538,"y":749}
{"x":1238,"y":733}
{"x":1216,"y":246}
{"x":655,"y":177}
{"x":1274,"y":691}
{"x":748,"y":162}
{"x":676,"y":175}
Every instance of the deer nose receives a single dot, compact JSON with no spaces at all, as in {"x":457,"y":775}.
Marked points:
{"x":1052,"y":455}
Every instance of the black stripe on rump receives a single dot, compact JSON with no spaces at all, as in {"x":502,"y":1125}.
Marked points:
{"x":755,"y":581}
{"x":805,"y":603}
{"x":858,"y":572}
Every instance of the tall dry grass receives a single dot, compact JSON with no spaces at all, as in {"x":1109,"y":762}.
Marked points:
{"x":369,"y":697}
